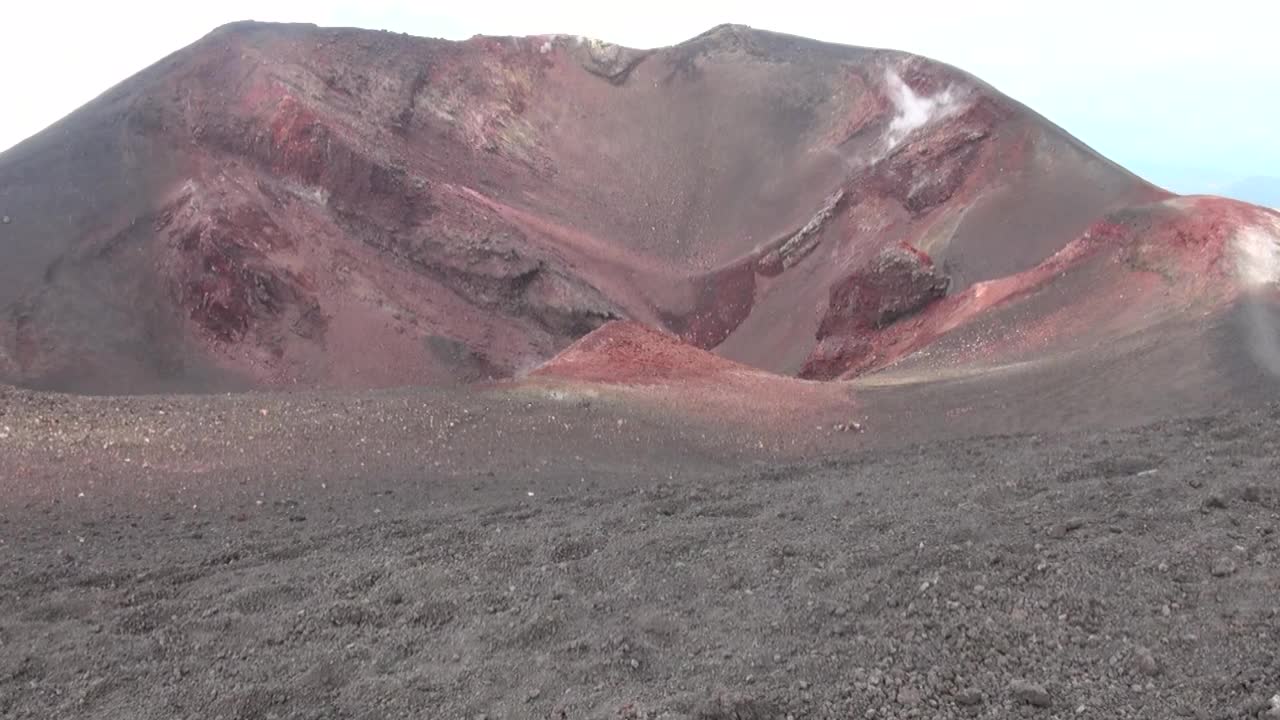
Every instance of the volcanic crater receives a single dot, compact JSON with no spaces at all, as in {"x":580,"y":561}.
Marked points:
{"x":286,"y":206}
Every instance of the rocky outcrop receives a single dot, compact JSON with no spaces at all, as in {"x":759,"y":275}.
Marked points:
{"x":899,"y":282}
{"x":611,"y":62}
{"x":798,"y":246}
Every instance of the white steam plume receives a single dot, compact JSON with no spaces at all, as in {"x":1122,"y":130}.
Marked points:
{"x":914,"y":111}
{"x":911,"y":112}
{"x":1258,"y":270}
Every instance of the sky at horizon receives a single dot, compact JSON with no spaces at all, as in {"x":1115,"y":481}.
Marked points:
{"x":1182,"y":93}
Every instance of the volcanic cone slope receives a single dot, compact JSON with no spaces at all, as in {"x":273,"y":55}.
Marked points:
{"x":291,"y":206}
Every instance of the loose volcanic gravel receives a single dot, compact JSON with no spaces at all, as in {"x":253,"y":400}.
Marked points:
{"x":1132,"y":574}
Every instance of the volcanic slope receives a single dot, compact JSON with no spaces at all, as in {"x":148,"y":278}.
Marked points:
{"x":289,"y":206}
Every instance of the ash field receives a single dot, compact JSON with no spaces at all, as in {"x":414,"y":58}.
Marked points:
{"x":348,"y":374}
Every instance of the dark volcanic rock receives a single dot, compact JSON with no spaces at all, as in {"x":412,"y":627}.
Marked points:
{"x":735,"y":707}
{"x":1030,"y":693}
{"x":1146,"y":662}
{"x":611,"y":62}
{"x":1223,"y":566}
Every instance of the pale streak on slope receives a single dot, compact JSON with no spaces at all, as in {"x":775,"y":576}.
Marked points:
{"x":1257,"y":251}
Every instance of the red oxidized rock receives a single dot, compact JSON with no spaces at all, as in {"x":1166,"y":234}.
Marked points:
{"x":900,"y":281}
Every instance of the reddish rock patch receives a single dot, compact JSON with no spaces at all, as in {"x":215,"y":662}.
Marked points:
{"x":635,"y":354}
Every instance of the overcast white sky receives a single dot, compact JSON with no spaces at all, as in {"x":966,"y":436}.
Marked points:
{"x":1186,"y":93}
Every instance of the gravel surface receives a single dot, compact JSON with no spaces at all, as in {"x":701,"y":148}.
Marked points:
{"x":1132,"y":574}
